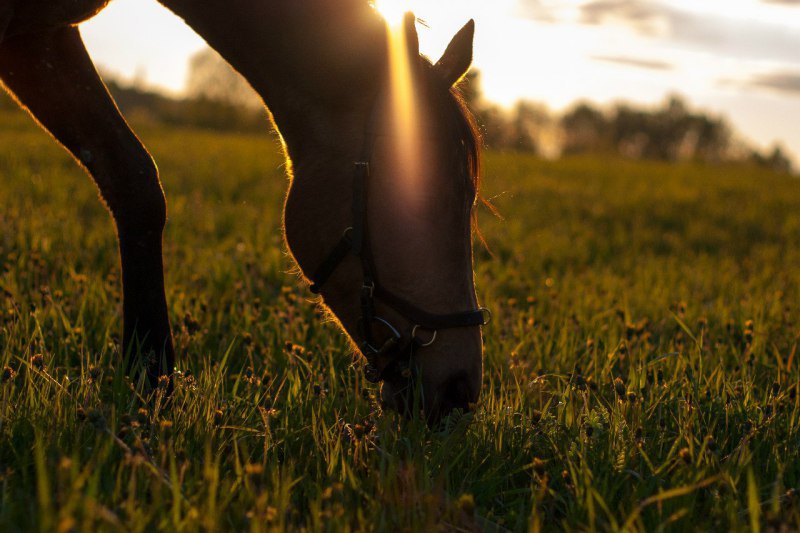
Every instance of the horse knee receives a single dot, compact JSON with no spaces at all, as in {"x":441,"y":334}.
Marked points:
{"x":135,"y":198}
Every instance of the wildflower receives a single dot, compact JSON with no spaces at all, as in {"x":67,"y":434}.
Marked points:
{"x":619,"y":387}
{"x":94,"y":374}
{"x":191,"y":324}
{"x":37,"y":361}
{"x":685,"y":455}
{"x":7,"y":375}
{"x":253,"y":469}
{"x":466,"y":504}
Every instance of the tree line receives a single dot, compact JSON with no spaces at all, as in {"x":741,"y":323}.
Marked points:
{"x":216,"y":97}
{"x":670,"y":132}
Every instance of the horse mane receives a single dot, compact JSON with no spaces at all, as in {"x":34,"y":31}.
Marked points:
{"x":461,"y":122}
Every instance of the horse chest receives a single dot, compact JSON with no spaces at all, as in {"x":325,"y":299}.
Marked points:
{"x":25,"y":16}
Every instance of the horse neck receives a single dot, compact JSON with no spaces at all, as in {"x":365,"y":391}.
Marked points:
{"x":307,"y":60}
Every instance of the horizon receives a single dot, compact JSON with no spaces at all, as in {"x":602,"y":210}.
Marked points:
{"x":741,"y":61}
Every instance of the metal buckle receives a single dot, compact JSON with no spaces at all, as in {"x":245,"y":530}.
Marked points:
{"x":487,"y":315}
{"x":370,"y":289}
{"x":423,"y":344}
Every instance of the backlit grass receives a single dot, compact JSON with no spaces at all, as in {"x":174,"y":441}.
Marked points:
{"x":641,"y":368}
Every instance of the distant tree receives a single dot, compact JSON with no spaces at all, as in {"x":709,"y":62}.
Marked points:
{"x":211,"y":78}
{"x":585,"y":130}
{"x":629,"y":131}
{"x":670,"y":133}
{"x":776,"y":160}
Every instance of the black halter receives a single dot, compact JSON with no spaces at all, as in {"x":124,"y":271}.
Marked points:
{"x":399,"y":346}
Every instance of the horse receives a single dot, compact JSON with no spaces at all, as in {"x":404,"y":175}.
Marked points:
{"x":397,"y":279}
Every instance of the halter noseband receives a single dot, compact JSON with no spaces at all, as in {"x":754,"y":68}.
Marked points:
{"x":399,"y":345}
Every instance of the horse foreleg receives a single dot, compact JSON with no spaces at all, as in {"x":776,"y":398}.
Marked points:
{"x":53,"y":77}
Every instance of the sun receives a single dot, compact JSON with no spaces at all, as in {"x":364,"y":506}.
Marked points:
{"x":392,"y":11}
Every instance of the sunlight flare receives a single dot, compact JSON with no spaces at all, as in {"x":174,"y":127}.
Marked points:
{"x":406,"y":145}
{"x":393,"y":11}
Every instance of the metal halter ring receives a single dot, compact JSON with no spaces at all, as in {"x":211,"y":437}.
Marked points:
{"x":487,"y":316}
{"x":421,"y":344}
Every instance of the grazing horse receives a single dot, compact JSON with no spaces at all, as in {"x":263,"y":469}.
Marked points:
{"x":397,"y":277}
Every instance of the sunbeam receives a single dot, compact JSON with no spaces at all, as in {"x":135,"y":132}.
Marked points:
{"x":406,"y":148}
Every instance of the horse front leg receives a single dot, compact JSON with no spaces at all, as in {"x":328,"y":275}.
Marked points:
{"x":53,"y":77}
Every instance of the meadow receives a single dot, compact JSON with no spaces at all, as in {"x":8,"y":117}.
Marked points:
{"x":641,"y":369}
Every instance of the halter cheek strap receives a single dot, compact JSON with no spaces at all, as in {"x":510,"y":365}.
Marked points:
{"x":399,"y":345}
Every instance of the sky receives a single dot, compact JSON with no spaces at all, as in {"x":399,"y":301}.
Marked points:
{"x":739,"y":58}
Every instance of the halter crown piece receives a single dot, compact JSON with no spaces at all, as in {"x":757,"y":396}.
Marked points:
{"x":400,"y":345}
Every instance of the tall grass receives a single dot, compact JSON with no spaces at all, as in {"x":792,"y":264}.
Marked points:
{"x":640,"y":372}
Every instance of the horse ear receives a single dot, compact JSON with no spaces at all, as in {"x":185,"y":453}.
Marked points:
{"x":457,"y":58}
{"x":412,"y":38}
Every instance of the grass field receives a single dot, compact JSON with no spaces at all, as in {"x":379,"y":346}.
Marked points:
{"x":641,"y":371}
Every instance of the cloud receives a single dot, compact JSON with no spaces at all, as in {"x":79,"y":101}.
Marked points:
{"x":785,"y":82}
{"x":645,"y":17}
{"x":537,"y":10}
{"x":652,"y":64}
{"x":716,"y":34}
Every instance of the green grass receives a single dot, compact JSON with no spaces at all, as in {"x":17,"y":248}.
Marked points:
{"x":641,"y":369}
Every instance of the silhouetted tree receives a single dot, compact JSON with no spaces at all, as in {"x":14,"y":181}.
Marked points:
{"x":670,"y":133}
{"x":585,"y":130}
{"x":211,"y":78}
{"x":776,"y":160}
